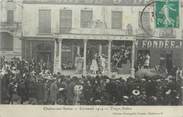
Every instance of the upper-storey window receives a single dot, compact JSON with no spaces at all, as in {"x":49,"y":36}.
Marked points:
{"x":10,"y":0}
{"x":86,"y":18}
{"x":116,"y":21}
{"x":45,"y":21}
{"x":10,"y":17}
{"x":6,"y":42}
{"x":144,"y":20}
{"x":65,"y":21}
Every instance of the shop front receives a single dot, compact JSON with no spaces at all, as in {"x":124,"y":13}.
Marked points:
{"x":41,"y":51}
{"x":93,"y":55}
{"x":163,"y":53}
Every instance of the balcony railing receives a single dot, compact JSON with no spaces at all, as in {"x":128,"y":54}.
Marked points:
{"x":96,"y":31}
{"x":98,"y":2}
{"x":10,"y":26}
{"x":167,"y":33}
{"x":163,"y":33}
{"x":93,"y":31}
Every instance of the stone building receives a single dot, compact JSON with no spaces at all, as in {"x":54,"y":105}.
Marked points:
{"x":69,"y":35}
{"x":10,"y":28}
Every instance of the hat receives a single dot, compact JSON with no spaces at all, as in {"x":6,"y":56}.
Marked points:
{"x":54,"y":75}
{"x":125,"y":97}
{"x":136,"y":92}
{"x":168,"y":92}
{"x":114,"y":76}
{"x":33,"y":72}
{"x":13,"y":68}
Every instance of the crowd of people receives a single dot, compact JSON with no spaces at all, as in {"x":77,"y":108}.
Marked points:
{"x":143,"y":60}
{"x":28,"y":82}
{"x":120,"y":56}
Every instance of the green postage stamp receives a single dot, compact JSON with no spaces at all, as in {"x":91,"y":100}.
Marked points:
{"x":167,"y":13}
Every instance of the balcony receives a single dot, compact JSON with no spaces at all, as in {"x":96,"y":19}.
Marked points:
{"x":94,"y":2}
{"x":161,"y":33}
{"x":10,"y":27}
{"x":167,"y":33}
{"x":94,"y":31}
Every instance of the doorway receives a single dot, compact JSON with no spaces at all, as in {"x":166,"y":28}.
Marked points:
{"x":44,"y":56}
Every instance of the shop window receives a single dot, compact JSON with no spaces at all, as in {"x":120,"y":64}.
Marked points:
{"x":166,"y":59}
{"x":10,"y":0}
{"x":86,"y":18}
{"x":72,"y":56}
{"x":65,"y":21}
{"x":121,"y":56}
{"x":6,"y":42}
{"x":97,"y":57}
{"x":10,"y":17}
{"x":42,"y":52}
{"x":141,"y":57}
{"x":44,"y":21}
{"x":116,"y":20}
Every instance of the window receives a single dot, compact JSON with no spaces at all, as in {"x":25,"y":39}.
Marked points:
{"x":44,"y":21}
{"x":116,"y":20}
{"x":10,"y":17}
{"x":6,"y":42}
{"x":121,"y":56}
{"x":10,"y":0}
{"x":145,"y":20}
{"x":86,"y":18}
{"x":65,"y":21}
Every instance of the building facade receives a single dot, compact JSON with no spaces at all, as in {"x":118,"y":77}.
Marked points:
{"x":165,"y":47}
{"x":82,"y":37}
{"x":10,"y":28}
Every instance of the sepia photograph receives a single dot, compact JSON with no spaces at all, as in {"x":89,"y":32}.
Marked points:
{"x":91,"y":52}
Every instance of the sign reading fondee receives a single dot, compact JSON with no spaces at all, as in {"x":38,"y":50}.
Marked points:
{"x":160,"y":43}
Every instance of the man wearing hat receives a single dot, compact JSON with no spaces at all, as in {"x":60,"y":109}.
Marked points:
{"x":53,"y":92}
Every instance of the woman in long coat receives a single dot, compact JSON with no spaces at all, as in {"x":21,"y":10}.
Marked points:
{"x":70,"y":92}
{"x":94,"y":66}
{"x":53,"y":92}
{"x":46,"y":91}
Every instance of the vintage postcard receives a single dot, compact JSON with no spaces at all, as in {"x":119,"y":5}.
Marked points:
{"x":91,"y":58}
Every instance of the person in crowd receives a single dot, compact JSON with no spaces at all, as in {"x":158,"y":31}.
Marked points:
{"x":62,"y":86}
{"x":53,"y":92}
{"x":70,"y":90}
{"x":78,"y":90}
{"x":102,"y":64}
{"x":179,"y":73}
{"x":88,"y":92}
{"x":79,"y":63}
{"x":46,"y":90}
{"x":147,"y":61}
{"x":94,"y":65}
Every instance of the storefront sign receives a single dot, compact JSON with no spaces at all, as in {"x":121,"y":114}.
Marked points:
{"x":160,"y":43}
